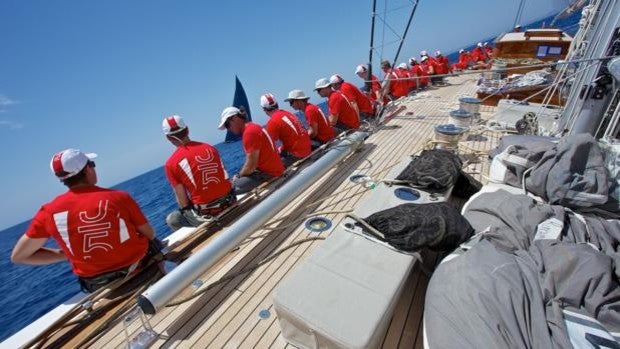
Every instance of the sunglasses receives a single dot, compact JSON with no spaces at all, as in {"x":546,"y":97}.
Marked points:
{"x":90,"y":164}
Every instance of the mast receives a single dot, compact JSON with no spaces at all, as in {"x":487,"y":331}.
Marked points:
{"x":372,"y":43}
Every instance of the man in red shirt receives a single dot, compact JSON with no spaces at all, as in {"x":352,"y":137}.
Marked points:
{"x":358,"y":99}
{"x":342,"y":116}
{"x":464,"y":60}
{"x":375,"y":87}
{"x":488,"y":49}
{"x":286,"y":128}
{"x":262,"y":161}
{"x":442,"y":66}
{"x":197,"y":176}
{"x":101,"y":232}
{"x":319,"y":129}
{"x":418,"y":74}
{"x":393,"y":86}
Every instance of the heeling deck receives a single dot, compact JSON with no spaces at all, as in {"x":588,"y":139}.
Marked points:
{"x":228,"y":314}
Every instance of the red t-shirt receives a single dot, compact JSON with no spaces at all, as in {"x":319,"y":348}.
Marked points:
{"x":286,"y":127}
{"x":314,"y":115}
{"x":354,"y":93}
{"x":199,"y":168}
{"x":420,"y":73}
{"x":256,"y":138}
{"x":340,"y":107}
{"x":95,"y":227}
{"x":441,"y":66}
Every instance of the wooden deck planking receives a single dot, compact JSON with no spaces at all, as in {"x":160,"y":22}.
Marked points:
{"x":227,"y":316}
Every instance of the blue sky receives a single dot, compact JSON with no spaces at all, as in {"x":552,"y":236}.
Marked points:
{"x":101,"y":75}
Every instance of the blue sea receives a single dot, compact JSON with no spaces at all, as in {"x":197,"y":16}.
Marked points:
{"x":29,"y":292}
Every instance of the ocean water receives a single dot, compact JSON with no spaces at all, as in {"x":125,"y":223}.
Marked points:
{"x":29,"y":292}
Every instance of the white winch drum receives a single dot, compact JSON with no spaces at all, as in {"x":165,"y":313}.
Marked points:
{"x":470,"y":104}
{"x":448,"y":136}
{"x":461,"y":118}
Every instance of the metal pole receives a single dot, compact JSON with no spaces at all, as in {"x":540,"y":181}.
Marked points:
{"x":372,"y":43}
{"x":158,"y":295}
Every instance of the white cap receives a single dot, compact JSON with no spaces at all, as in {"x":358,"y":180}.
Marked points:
{"x":461,"y":50}
{"x":412,"y":60}
{"x":402,"y":66}
{"x":268,"y":101}
{"x":227,"y":114}
{"x":296,"y":94}
{"x":69,"y":162}
{"x":321,"y":83}
{"x":424,"y":59}
{"x":479,"y":44}
{"x":437,"y":53}
{"x":423,"y":53}
{"x":485,"y":44}
{"x":173,"y":124}
{"x":361,"y":69}
{"x":335,"y":79}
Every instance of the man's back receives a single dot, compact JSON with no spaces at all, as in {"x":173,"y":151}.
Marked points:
{"x":354,"y":93}
{"x":339,"y":105}
{"x":285,"y":127}
{"x":199,"y":168}
{"x":325,"y":132}
{"x":95,"y":227}
{"x":256,"y":138}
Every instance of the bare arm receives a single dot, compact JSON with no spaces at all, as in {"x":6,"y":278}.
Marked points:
{"x":313,"y":130}
{"x":147,"y":231}
{"x":181,"y":195}
{"x":251,"y":162}
{"x":31,"y":251}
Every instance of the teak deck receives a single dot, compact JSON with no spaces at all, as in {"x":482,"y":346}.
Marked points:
{"x":229,"y":315}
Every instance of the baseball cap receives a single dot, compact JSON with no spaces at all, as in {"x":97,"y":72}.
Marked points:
{"x":321,"y":83}
{"x":424,"y":59}
{"x":423,"y":53}
{"x":361,"y":69}
{"x":402,"y":66}
{"x":479,"y":44}
{"x":335,"y":79}
{"x":268,"y":101}
{"x":228,"y":113}
{"x":461,"y":51}
{"x":173,"y":124}
{"x":69,"y":162}
{"x":412,"y":60}
{"x":296,"y":94}
{"x":437,"y":53}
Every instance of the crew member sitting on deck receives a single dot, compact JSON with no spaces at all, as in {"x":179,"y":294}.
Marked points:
{"x":488,"y":49}
{"x":285,"y":127}
{"x":341,"y":116}
{"x":517,"y":28}
{"x":197,"y":176}
{"x":101,"y":232}
{"x":319,"y":129}
{"x":464,"y":61}
{"x":444,"y":67}
{"x":408,"y":78}
{"x":418,"y":74}
{"x":393,"y":87}
{"x":262,"y":161}
{"x":358,"y":100}
{"x":479,"y":54}
{"x":375,"y":87}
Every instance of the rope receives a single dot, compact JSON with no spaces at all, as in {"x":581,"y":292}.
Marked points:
{"x":241,"y":272}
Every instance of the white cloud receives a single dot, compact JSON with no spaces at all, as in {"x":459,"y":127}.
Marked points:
{"x":11,"y":125}
{"x":4,"y":101}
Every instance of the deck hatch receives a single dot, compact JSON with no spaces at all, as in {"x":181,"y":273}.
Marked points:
{"x":407,"y":194}
{"x":318,"y":224}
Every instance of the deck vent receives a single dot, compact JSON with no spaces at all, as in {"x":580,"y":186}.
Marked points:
{"x":360,"y":178}
{"x":318,"y":224}
{"x":264,"y":314}
{"x":407,"y":194}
